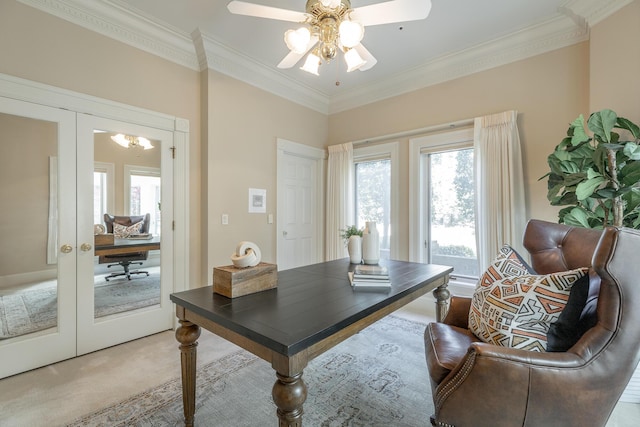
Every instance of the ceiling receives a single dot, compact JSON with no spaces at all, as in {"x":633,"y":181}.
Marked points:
{"x":459,"y":37}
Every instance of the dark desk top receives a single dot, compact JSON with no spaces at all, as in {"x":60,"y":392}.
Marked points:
{"x":310,"y":303}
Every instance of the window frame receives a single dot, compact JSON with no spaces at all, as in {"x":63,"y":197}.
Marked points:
{"x":384,"y":151}
{"x":109,"y":170}
{"x":418,"y":202}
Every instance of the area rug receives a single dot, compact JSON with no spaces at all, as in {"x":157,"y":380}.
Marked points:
{"x":377,"y":378}
{"x":35,"y":310}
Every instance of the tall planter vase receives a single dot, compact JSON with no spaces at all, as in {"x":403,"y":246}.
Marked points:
{"x":370,"y":244}
{"x":354,"y":246}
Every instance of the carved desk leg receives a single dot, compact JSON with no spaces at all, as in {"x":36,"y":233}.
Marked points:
{"x":187,"y":335}
{"x":289,"y":393}
{"x":442,"y":294}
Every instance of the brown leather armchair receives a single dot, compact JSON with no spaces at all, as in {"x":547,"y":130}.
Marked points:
{"x":125,"y":260}
{"x":477,"y":384}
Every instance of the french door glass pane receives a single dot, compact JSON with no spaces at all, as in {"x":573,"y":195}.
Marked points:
{"x":373,"y":199}
{"x":29,"y":226}
{"x":451,"y":207}
{"x":127,"y":280}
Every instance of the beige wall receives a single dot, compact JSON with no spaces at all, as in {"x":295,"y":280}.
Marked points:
{"x":243,"y":126}
{"x":548,"y":91}
{"x":615,"y":64}
{"x":26,"y":145}
{"x":40,"y":47}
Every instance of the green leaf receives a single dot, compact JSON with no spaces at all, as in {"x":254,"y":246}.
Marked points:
{"x":562,"y":155}
{"x":630,"y":173}
{"x":592,"y":174}
{"x":577,"y":131}
{"x":601,"y":123}
{"x":632,"y":150}
{"x":587,"y":188}
{"x":577,"y":217}
{"x":575,"y":178}
{"x":630,"y":126}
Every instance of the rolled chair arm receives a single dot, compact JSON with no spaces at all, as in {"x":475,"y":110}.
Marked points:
{"x":458,"y":314}
{"x":481,"y":384}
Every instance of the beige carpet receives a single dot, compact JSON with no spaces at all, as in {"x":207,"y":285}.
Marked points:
{"x":37,"y":309}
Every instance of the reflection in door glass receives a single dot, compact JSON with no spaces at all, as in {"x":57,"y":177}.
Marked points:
{"x":28,"y":226}
{"x":127,"y":267}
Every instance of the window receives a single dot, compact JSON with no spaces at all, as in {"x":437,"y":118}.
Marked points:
{"x":144,"y":194}
{"x":442,"y":229}
{"x":103,"y":190}
{"x":451,"y":221}
{"x":375,"y":175}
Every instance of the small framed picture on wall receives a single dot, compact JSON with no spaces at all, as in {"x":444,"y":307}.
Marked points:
{"x":257,"y":200}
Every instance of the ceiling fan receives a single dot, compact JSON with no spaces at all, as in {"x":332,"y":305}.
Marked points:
{"x":332,"y":26}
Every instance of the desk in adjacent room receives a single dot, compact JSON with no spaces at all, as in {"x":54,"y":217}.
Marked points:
{"x":312,"y":309}
{"x":123,"y":246}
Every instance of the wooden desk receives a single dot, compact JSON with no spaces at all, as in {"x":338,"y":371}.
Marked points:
{"x":123,"y":246}
{"x":312,"y":309}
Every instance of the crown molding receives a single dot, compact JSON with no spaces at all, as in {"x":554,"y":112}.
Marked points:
{"x":214,"y":55}
{"x":594,"y":11}
{"x":125,"y":25}
{"x":199,"y":51}
{"x":553,"y":34}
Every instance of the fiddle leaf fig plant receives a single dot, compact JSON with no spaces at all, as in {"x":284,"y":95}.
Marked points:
{"x":595,"y":172}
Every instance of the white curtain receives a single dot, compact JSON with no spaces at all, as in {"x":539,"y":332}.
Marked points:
{"x":339,"y":198}
{"x":500,"y":205}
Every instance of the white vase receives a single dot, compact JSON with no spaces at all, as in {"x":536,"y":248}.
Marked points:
{"x":370,"y":244}
{"x":354,"y":246}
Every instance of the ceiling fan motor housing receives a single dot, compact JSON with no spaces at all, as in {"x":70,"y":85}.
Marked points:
{"x":324,"y":22}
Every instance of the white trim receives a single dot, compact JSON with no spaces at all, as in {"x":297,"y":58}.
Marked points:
{"x":110,"y":170}
{"x":390,"y":151}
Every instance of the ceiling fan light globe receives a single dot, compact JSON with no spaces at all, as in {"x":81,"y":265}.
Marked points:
{"x":351,"y":33}
{"x":331,"y":4}
{"x":328,"y":51}
{"x":297,"y":40}
{"x":121,"y":140}
{"x":353,"y":60}
{"x":144,"y":143}
{"x":311,"y":64}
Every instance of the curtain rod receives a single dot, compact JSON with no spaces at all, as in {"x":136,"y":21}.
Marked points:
{"x":413,"y":132}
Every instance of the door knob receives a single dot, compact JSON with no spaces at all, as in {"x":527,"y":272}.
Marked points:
{"x":65,"y":249}
{"x":85,"y":247}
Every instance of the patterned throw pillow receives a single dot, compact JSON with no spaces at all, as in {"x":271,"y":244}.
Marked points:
{"x":508,"y":263}
{"x":123,"y":231}
{"x":517,"y":311}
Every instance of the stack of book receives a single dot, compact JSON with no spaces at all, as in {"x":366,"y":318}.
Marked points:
{"x":370,"y":276}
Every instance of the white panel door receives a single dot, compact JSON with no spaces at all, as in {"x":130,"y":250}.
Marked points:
{"x":99,"y":327}
{"x":38,"y":226}
{"x":299,"y":205}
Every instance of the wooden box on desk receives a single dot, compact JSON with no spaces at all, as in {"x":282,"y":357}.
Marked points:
{"x":103,"y":239}
{"x":234,"y":282}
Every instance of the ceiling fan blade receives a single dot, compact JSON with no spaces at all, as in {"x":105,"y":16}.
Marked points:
{"x":292,"y":58}
{"x":366,"y":55}
{"x":261,"y":11}
{"x":392,"y":11}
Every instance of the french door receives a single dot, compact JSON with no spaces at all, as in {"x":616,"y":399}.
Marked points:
{"x":49,"y":274}
{"x":99,"y":326}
